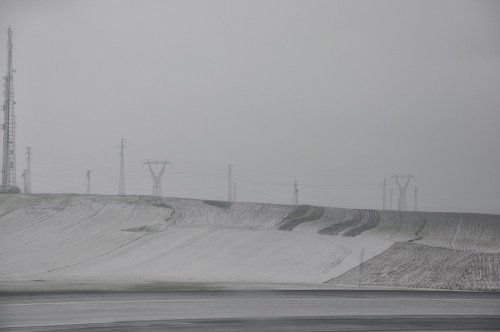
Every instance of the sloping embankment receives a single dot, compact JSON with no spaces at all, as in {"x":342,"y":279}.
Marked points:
{"x":105,"y":237}
{"x":409,"y":265}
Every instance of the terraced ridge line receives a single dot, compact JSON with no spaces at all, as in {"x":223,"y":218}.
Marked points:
{"x":301,"y":214}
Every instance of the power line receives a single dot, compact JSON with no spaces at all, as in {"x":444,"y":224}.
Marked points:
{"x":284,"y":184}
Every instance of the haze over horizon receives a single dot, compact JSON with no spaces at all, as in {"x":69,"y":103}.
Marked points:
{"x":337,"y":95}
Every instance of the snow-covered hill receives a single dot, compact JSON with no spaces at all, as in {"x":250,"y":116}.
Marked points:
{"x":48,"y":237}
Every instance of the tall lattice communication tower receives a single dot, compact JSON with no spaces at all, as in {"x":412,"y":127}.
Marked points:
{"x":9,"y":125}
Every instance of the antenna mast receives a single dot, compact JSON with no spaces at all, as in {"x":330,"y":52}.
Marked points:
{"x":9,"y":125}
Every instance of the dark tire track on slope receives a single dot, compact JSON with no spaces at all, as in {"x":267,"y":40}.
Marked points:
{"x":219,"y":204}
{"x":351,"y":221}
{"x":356,"y":223}
{"x":371,"y":219}
{"x":301,"y":214}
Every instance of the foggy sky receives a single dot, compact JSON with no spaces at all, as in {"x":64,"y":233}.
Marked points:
{"x":337,"y":95}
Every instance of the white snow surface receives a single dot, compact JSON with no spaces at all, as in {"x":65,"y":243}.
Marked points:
{"x":50,"y":237}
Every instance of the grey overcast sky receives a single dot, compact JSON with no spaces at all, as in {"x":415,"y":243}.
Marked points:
{"x":337,"y":95}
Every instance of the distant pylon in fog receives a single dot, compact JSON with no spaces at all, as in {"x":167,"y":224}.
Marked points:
{"x":402,"y":181}
{"x":156,"y":175}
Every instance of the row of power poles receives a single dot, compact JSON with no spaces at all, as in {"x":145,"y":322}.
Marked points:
{"x":156,"y":169}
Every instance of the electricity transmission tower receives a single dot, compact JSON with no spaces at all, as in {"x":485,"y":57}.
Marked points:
{"x":27,"y":172}
{"x":9,"y":125}
{"x":121,"y":189}
{"x":295,"y":193}
{"x":229,"y":183}
{"x":402,"y":181}
{"x":156,"y":175}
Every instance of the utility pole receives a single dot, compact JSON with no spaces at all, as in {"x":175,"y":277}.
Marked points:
{"x":229,"y":183}
{"x":402,"y":181}
{"x":295,"y":193}
{"x":27,"y":187}
{"x":121,"y":189}
{"x":390,"y":199}
{"x":234,"y":191}
{"x":88,"y":182}
{"x":383,"y":197}
{"x":25,"y":180}
{"x":9,"y":125}
{"x":416,"y":205}
{"x":156,"y":175}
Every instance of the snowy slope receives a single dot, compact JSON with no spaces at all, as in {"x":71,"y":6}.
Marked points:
{"x":92,"y":237}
